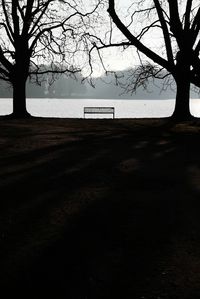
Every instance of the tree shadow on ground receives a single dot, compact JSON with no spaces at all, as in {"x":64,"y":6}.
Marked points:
{"x":110,"y":213}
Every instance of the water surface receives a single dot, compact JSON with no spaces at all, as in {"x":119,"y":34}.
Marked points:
{"x":73,"y":108}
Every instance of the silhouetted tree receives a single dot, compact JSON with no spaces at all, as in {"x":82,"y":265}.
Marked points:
{"x":177,"y":23}
{"x":37,"y":33}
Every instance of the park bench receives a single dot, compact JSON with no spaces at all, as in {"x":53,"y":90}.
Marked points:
{"x":99,"y":110}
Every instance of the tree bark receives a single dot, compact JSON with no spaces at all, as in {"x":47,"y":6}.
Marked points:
{"x":182,"y":78}
{"x":19,"y":98}
{"x":19,"y":77}
{"x":182,"y":104}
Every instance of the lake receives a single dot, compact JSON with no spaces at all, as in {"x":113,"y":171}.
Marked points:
{"x":73,"y":108}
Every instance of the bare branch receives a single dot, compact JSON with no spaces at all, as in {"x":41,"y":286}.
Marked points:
{"x":165,"y":32}
{"x":134,"y":41}
{"x":187,"y":15}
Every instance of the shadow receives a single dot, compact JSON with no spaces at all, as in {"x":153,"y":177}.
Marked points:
{"x":109,"y":210}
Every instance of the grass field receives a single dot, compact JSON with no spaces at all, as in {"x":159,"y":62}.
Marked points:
{"x":97,"y":209}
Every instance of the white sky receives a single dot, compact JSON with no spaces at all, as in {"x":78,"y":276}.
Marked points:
{"x":117,"y":58}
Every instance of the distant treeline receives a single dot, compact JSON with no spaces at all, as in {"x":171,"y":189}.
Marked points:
{"x":105,"y":88}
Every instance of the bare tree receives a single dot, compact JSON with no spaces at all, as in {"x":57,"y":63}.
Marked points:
{"x":176,"y":23}
{"x":35,"y":34}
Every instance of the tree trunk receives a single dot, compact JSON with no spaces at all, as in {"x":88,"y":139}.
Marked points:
{"x":19,"y":98}
{"x":182,"y":104}
{"x":182,"y":78}
{"x":19,"y":77}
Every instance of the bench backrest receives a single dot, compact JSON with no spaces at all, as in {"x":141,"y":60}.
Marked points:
{"x":99,"y":110}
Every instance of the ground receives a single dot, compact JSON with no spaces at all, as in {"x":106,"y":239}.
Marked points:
{"x":98,"y":209}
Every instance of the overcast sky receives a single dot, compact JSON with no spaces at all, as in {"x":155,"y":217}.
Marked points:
{"x":117,"y":58}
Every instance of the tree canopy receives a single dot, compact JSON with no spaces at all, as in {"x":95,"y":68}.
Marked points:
{"x":166,"y":34}
{"x":39,"y":33}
